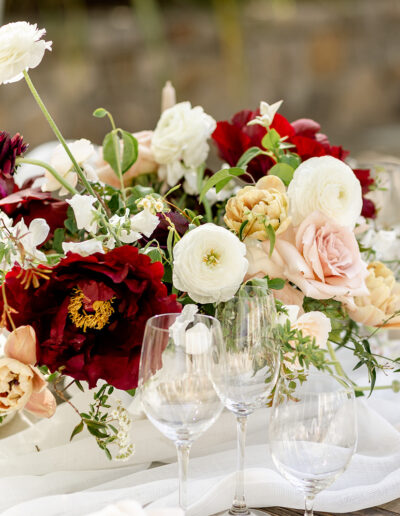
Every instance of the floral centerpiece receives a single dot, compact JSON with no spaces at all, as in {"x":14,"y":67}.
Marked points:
{"x":105,"y":237}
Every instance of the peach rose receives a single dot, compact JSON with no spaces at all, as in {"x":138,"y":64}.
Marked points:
{"x":21,"y":384}
{"x":320,"y":257}
{"x":145,"y":163}
{"x":382,"y":300}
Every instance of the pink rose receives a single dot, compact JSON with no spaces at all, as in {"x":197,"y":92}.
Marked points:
{"x":320,"y":257}
{"x":22,"y":385}
{"x":145,"y":163}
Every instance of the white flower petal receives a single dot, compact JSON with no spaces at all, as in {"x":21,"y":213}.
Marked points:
{"x":84,"y":212}
{"x":144,"y":222}
{"x":85,"y":248}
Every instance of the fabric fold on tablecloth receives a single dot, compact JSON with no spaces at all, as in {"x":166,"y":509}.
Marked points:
{"x":372,"y":478}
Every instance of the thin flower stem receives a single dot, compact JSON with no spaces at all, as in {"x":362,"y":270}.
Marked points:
{"x":336,"y":363}
{"x":368,"y":388}
{"x":57,"y":132}
{"x":52,"y":171}
{"x":117,"y":149}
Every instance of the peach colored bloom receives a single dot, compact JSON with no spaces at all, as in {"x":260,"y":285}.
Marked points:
{"x":320,"y":257}
{"x":21,"y":383}
{"x":315,"y":325}
{"x":382,"y":300}
{"x":145,"y":163}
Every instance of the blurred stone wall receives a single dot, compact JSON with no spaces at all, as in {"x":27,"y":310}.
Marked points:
{"x":337,"y":61}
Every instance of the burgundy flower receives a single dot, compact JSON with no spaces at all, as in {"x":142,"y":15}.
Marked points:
{"x":10,"y":149}
{"x":31,"y":204}
{"x":90,"y":314}
{"x":366,"y":181}
{"x":162,"y":230}
{"x":234,"y":138}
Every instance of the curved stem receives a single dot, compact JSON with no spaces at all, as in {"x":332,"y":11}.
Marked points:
{"x":183,"y":450}
{"x":336,"y":363}
{"x":239,"y":503}
{"x":52,"y":171}
{"x":58,"y":134}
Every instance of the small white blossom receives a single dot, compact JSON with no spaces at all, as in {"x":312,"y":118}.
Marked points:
{"x":129,"y":228}
{"x":85,"y":248}
{"x":123,"y":423}
{"x":82,"y":150}
{"x":385,"y":243}
{"x":144,"y":222}
{"x":84,"y":212}
{"x":31,"y":237}
{"x":267,"y":114}
{"x":150,"y":203}
{"x":21,"y":48}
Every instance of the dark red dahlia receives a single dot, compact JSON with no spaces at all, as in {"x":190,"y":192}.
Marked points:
{"x":90,"y":314}
{"x":10,"y":149}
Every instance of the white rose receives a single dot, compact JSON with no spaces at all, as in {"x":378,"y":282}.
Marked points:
{"x":180,"y":140}
{"x":328,"y":185}
{"x":209,"y":264}
{"x":21,"y":48}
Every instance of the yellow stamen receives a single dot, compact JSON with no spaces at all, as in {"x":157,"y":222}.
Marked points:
{"x":95,"y":321}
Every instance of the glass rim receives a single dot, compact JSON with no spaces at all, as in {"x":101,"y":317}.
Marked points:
{"x":153,"y":318}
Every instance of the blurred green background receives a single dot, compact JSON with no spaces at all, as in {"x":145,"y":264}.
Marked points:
{"x":337,"y":61}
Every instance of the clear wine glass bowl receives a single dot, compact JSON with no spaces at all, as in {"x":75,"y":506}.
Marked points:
{"x":313,"y":432}
{"x":177,"y":393}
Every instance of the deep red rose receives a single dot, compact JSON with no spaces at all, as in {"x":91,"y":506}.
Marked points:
{"x":234,"y":138}
{"x":112,"y":294}
{"x":32,"y":204}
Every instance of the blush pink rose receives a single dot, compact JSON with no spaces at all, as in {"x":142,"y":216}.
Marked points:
{"x":145,"y":163}
{"x":22,"y":385}
{"x":320,"y":257}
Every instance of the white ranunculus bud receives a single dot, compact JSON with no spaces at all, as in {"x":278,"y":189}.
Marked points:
{"x":327,"y":185}
{"x":21,"y":48}
{"x":209,"y":264}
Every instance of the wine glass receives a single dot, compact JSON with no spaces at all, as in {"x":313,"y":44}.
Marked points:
{"x":246,"y":365}
{"x":313,"y":432}
{"x":174,"y":380}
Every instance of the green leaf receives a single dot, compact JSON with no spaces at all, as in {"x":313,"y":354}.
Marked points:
{"x":70,"y":222}
{"x":130,"y":152}
{"x":77,"y":430}
{"x":283,"y":171}
{"x":109,"y":153}
{"x":172,"y":190}
{"x":58,"y":239}
{"x":276,"y":283}
{"x":100,"y":112}
{"x":293,"y":160}
{"x":155,"y":255}
{"x":242,"y":226}
{"x":271,"y":140}
{"x":247,"y":156}
{"x":79,"y":385}
{"x":131,"y":392}
{"x":271,"y":236}
{"x":222,"y":175}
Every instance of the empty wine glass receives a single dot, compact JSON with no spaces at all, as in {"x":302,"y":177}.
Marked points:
{"x":176,"y":391}
{"x":313,"y":433}
{"x":246,"y":365}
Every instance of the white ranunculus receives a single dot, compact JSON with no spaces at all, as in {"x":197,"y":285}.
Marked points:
{"x":209,"y":264}
{"x":85,"y":248}
{"x":180,"y":140}
{"x":82,"y":150}
{"x":328,"y":185}
{"x":84,"y":211}
{"x":21,"y":48}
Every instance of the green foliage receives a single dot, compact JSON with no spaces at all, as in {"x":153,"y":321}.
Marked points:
{"x":222,"y":177}
{"x":271,"y":141}
{"x":248,"y":155}
{"x":283,"y":171}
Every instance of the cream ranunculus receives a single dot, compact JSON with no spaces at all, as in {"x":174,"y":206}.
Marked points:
{"x":21,"y":48}
{"x":209,"y":264}
{"x":328,"y":185}
{"x":261,"y":205}
{"x":382,"y":300}
{"x":180,"y":140}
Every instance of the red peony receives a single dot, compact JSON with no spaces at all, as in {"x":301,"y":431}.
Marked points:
{"x":234,"y":138}
{"x":90,"y":314}
{"x":32,"y":204}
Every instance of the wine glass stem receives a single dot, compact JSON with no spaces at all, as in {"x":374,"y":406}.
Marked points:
{"x":309,"y":505}
{"x":183,"y":450}
{"x":239,"y":503}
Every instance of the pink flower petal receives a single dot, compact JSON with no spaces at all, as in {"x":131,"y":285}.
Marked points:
{"x":42,"y":404}
{"x":21,"y":345}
